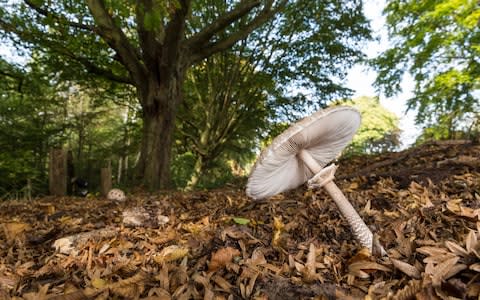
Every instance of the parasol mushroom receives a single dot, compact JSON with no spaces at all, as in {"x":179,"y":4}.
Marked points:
{"x":300,"y":154}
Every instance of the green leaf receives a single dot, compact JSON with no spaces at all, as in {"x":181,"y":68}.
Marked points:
{"x":241,"y":221}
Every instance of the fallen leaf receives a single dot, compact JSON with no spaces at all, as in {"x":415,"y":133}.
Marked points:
{"x":406,"y":268}
{"x":170,"y":253}
{"x":13,"y":230}
{"x":440,"y":271}
{"x":241,"y":221}
{"x":98,"y":283}
{"x":221,"y":258}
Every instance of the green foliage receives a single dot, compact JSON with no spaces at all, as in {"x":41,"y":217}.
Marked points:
{"x":216,"y":173}
{"x":104,"y":47}
{"x":224,"y":112}
{"x":99,"y":132}
{"x":31,"y":121}
{"x":182,"y":169}
{"x":238,"y":96}
{"x":38,"y":112}
{"x":310,"y":47}
{"x":451,"y":127}
{"x":437,"y":42}
{"x":379,"y":130}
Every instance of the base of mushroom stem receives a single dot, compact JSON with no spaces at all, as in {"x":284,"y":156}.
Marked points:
{"x":322,"y":179}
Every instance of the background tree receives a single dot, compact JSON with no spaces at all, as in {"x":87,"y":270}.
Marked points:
{"x":32,"y":119}
{"x":151,"y":45}
{"x":379,"y":131}
{"x":229,"y":98}
{"x":437,"y":43}
{"x":100,"y":131}
{"x":237,"y":94}
{"x":40,"y":110}
{"x":152,"y":53}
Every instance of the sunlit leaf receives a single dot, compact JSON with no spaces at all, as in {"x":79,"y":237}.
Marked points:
{"x":241,"y":221}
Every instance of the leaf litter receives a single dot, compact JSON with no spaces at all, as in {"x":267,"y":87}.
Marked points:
{"x":422,"y":203}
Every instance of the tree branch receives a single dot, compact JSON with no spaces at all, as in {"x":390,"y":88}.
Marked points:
{"x":202,"y":37}
{"x":174,"y":33}
{"x":12,"y":75}
{"x":60,"y":18}
{"x":94,"y":69}
{"x":57,"y":47}
{"x":262,"y":17}
{"x":117,"y":39}
{"x":147,"y":37}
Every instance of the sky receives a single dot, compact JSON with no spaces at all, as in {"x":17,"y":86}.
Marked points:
{"x":360,"y":78}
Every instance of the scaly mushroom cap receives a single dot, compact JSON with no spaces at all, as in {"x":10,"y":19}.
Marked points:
{"x":116,"y":195}
{"x":324,"y":134}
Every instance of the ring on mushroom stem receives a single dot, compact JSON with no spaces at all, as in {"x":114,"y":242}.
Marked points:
{"x":301,"y":153}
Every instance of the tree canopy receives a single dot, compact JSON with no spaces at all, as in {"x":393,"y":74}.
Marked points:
{"x":437,"y":42}
{"x":379,"y":131}
{"x":151,"y":45}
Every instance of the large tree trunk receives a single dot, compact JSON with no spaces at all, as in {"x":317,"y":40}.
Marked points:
{"x":160,"y":102}
{"x":158,"y":67}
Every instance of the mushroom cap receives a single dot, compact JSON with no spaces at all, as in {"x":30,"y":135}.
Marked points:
{"x":323,"y":134}
{"x":116,"y":195}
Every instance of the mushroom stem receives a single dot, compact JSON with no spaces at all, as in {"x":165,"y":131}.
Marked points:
{"x":311,"y":163}
{"x":360,"y":230}
{"x":324,"y":178}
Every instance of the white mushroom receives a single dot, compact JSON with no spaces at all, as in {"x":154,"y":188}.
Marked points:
{"x":116,"y":195}
{"x":301,"y":153}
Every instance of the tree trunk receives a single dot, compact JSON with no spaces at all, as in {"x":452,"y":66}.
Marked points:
{"x":119,"y":170}
{"x":106,"y":179}
{"x":58,"y":172}
{"x":159,"y":102}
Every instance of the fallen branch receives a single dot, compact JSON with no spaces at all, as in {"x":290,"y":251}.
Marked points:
{"x":67,"y":245}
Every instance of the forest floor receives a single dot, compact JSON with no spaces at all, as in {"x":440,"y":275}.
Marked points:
{"x":422,"y":203}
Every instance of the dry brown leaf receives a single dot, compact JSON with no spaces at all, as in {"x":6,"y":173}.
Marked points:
{"x":456,"y":249}
{"x":436,"y":259}
{"x":162,"y":277}
{"x":170,"y":253}
{"x":471,"y":241}
{"x":460,"y":210}
{"x":432,"y":251}
{"x":406,"y":268}
{"x":9,"y":281}
{"x":309,"y":270}
{"x":234,"y":233}
{"x":362,"y":269}
{"x":25,"y":268}
{"x":455,"y":270}
{"x":221,"y":258}
{"x":222,"y":283}
{"x":362,"y":255}
{"x":258,"y":258}
{"x":475,"y":267}
{"x":440,"y":271}
{"x":409,"y":291}
{"x":40,"y":295}
{"x":13,"y":230}
{"x":473,"y":290}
